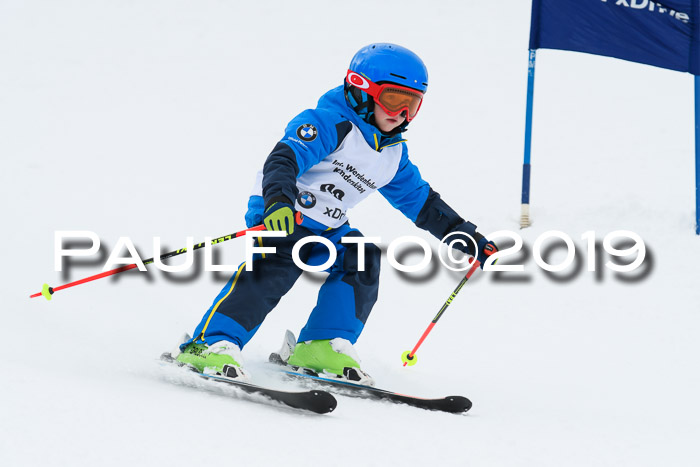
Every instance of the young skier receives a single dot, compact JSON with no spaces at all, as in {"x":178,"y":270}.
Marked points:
{"x":329,"y":160}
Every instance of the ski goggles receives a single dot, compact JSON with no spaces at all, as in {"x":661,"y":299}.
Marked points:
{"x":392,"y":98}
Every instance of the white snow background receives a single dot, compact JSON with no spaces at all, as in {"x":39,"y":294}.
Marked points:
{"x":150,"y":118}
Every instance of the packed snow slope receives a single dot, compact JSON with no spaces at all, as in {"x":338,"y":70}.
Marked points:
{"x":150,"y":118}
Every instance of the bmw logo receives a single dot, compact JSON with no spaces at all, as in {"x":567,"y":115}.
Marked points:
{"x":305,"y":199}
{"x":307,"y":132}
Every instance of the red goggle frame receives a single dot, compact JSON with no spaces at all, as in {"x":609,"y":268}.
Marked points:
{"x":392,"y":98}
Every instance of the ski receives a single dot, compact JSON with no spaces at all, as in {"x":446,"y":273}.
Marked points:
{"x":314,"y":400}
{"x":450,"y":404}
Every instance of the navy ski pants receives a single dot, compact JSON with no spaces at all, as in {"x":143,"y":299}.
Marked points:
{"x":345,"y":300}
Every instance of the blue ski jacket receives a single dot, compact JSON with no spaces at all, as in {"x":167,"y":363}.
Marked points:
{"x":330,"y":159}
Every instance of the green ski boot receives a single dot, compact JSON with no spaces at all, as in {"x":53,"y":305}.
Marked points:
{"x":335,"y":358}
{"x":222,"y":358}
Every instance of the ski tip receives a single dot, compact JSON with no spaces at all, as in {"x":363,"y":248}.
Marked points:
{"x":324,"y":402}
{"x":458,"y":404}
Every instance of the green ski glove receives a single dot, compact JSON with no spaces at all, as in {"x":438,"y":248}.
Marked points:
{"x":279,"y":216}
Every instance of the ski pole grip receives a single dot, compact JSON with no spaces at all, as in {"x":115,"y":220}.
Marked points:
{"x":489,"y":249}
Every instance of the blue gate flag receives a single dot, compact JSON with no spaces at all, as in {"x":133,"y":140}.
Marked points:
{"x":661,"y":33}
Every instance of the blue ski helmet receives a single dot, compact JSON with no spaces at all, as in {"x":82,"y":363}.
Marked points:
{"x":385,"y":63}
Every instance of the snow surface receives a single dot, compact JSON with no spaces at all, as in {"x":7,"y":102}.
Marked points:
{"x":150,"y":118}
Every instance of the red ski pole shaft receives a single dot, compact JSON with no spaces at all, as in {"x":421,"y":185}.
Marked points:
{"x":49,"y":291}
{"x":409,"y":357}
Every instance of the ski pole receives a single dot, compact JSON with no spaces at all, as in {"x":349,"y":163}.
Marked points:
{"x":48,"y":291}
{"x":409,"y":357}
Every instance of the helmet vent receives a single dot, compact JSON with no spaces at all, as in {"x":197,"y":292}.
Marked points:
{"x":398,"y":76}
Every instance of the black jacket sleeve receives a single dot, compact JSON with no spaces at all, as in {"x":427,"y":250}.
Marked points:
{"x":438,"y":218}
{"x":279,"y":175}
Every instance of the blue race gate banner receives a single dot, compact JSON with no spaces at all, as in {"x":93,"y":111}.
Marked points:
{"x":660,"y":33}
